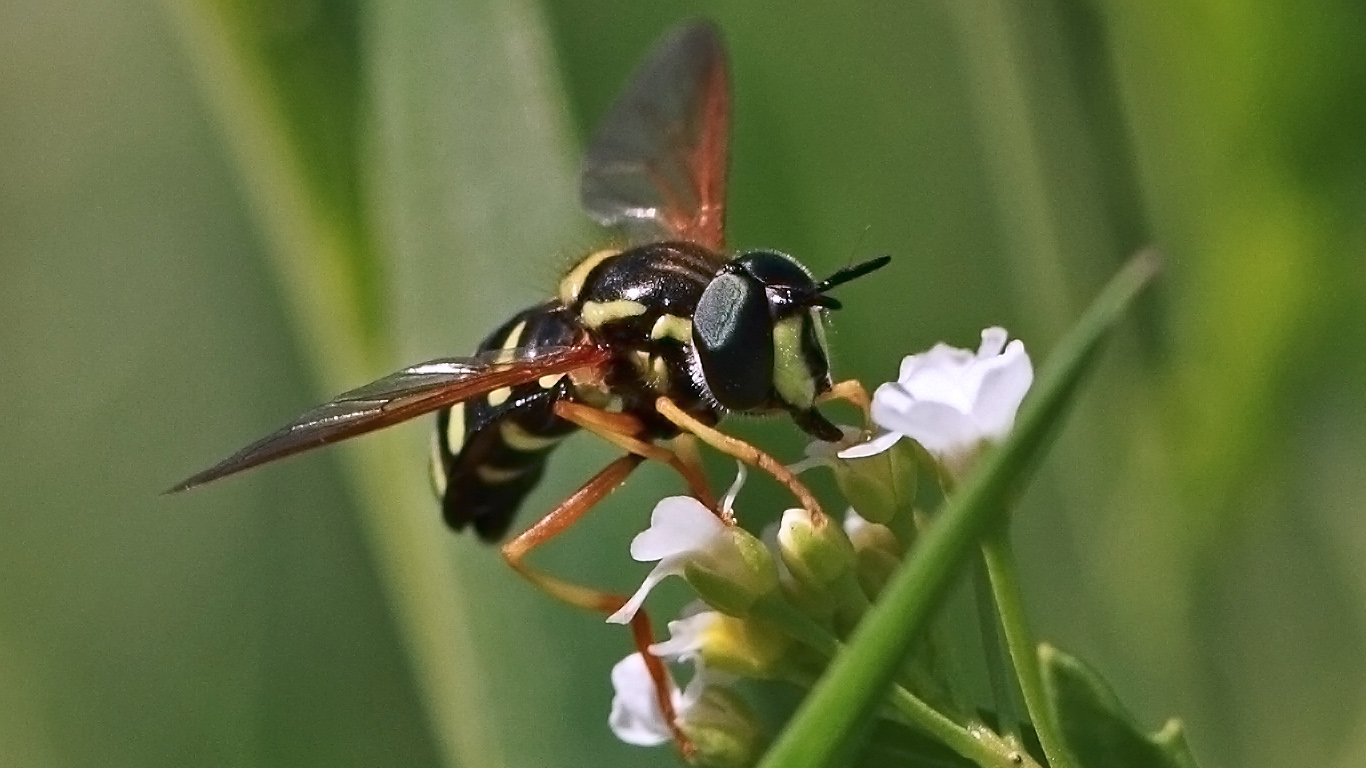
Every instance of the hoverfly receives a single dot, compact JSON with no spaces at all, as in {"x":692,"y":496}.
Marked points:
{"x":641,"y":345}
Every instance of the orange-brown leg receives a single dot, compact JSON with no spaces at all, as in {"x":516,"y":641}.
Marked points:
{"x":623,"y":430}
{"x":556,"y":522}
{"x":738,"y":449}
{"x":852,"y":392}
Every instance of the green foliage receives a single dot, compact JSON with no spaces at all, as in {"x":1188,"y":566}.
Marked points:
{"x":1096,"y":726}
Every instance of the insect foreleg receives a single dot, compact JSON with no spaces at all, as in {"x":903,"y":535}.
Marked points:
{"x":739,"y":449}
{"x":852,"y":392}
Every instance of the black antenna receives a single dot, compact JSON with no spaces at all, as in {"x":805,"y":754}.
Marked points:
{"x":846,"y":274}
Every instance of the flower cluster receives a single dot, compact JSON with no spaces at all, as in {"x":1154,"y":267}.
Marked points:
{"x":776,"y":607}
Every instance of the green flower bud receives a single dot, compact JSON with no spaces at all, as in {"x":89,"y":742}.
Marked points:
{"x":882,"y":485}
{"x":816,"y":603}
{"x":745,"y":647}
{"x":874,"y":568}
{"x":723,"y":730}
{"x":732,"y":578}
{"x":814,"y":549}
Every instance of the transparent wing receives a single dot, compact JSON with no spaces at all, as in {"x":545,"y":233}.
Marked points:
{"x":423,"y":388}
{"x":657,"y":165}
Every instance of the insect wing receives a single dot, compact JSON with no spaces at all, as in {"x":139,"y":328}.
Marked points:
{"x":657,"y":165}
{"x":411,"y":392}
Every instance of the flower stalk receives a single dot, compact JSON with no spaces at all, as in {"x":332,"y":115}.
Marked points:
{"x":1024,"y":653}
{"x":910,"y":709}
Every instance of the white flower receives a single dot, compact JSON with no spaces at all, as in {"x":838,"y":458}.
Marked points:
{"x":635,"y":717}
{"x":687,"y":635}
{"x":952,"y":401}
{"x":727,"y":566}
{"x":681,"y":529}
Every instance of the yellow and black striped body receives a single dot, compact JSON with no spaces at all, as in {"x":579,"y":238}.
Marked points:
{"x":490,"y":452}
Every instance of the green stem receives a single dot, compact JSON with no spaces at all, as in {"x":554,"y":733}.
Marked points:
{"x":1005,"y":587}
{"x":994,"y":653}
{"x":985,"y":752}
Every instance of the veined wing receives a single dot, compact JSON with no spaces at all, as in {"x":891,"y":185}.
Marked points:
{"x":657,"y":165}
{"x":400,"y":396}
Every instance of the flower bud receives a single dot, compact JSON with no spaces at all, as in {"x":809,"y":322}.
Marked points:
{"x":879,"y":485}
{"x":723,"y":731}
{"x":732,"y":578}
{"x":818,"y":604}
{"x":745,"y":647}
{"x":869,"y":536}
{"x":877,"y":552}
{"x":814,"y":549}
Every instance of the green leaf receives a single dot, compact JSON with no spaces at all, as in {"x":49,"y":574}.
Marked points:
{"x":1097,"y":729}
{"x":855,"y":682}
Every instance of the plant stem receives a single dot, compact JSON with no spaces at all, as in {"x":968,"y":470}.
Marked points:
{"x":994,"y":654}
{"x":1005,"y":587}
{"x":985,"y":752}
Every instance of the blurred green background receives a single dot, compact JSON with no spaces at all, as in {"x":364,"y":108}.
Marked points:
{"x":215,"y":212}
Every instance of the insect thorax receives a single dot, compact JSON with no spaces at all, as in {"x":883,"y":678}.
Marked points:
{"x":640,"y":302}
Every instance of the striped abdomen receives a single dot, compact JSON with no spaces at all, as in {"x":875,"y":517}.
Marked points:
{"x":489,"y":452}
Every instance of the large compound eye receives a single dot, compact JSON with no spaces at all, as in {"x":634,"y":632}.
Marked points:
{"x":733,"y":333}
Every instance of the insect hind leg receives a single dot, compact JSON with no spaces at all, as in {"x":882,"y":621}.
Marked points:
{"x":559,"y":520}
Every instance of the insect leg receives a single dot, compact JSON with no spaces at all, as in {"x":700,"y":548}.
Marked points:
{"x":852,"y":392}
{"x":621,"y":430}
{"x":556,"y":522}
{"x":738,"y":449}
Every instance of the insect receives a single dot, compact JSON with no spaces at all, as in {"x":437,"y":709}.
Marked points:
{"x":643,"y":345}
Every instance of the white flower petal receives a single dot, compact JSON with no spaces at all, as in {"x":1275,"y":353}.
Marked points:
{"x":872,"y":447}
{"x":940,"y":428}
{"x":820,"y":453}
{"x":806,"y":464}
{"x":993,"y":341}
{"x":955,"y":385}
{"x":1003,"y":389}
{"x":678,"y":525}
{"x":952,"y":400}
{"x":685,"y":636}
{"x":669,"y":566}
{"x":939,"y":356}
{"x":692,"y":692}
{"x":635,"y":717}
